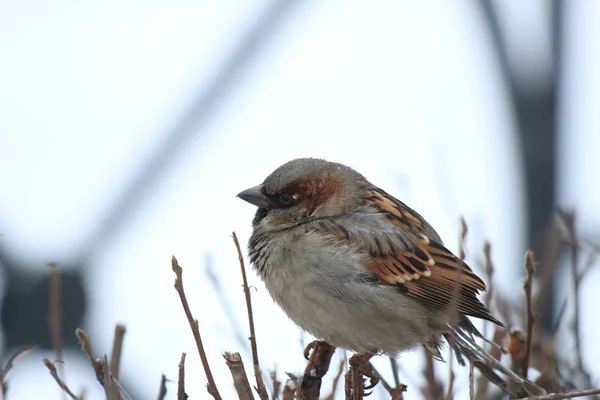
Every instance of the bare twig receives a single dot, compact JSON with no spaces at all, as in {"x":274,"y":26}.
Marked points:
{"x":517,"y":349}
{"x":211,"y":386}
{"x":101,"y":369}
{"x":433,"y":388}
{"x":560,"y":396}
{"x":395,"y":370}
{"x":276,"y":385}
{"x":162,"y":390}
{"x":530,"y":268}
{"x":452,"y":311}
{"x":336,"y":380}
{"x":488,"y":269}
{"x":568,"y":218}
{"x":471,"y":381}
{"x":289,"y":389}
{"x":55,"y":317}
{"x":115,"y":357}
{"x":260,"y":384}
{"x":240,"y":380}
{"x":9,"y":365}
{"x":317,"y":367}
{"x":181,"y":394}
{"x":464,"y":230}
{"x":386,"y":385}
{"x":101,"y":374}
{"x":398,"y":393}
{"x":65,"y":388}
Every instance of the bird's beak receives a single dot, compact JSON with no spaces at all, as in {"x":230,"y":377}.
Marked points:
{"x":255,"y":196}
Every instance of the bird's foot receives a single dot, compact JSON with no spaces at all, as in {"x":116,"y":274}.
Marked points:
{"x":360,"y":370}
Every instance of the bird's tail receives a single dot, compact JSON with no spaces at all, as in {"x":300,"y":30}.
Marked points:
{"x":508,"y":381}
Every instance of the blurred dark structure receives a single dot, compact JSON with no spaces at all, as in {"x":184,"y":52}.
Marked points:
{"x":535,"y":109}
{"x":25,"y":306}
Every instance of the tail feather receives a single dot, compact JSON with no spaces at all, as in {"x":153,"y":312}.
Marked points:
{"x":492,"y":368}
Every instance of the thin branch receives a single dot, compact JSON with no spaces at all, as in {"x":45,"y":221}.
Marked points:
{"x":568,"y":219}
{"x":464,"y":230}
{"x":386,"y":385}
{"x":9,"y":365}
{"x":471,"y":381}
{"x":276,"y":385}
{"x":433,"y":389}
{"x":181,"y":394}
{"x":290,"y":388}
{"x":162,"y":390}
{"x":11,"y":361}
{"x":398,"y":393}
{"x":530,"y":268}
{"x":560,"y":396}
{"x":86,"y":346}
{"x":101,"y":369}
{"x":260,"y":384}
{"x":395,"y":370}
{"x":115,"y":357}
{"x":336,"y":380}
{"x":65,"y":388}
{"x":240,"y":380}
{"x":55,"y":316}
{"x":211,"y":387}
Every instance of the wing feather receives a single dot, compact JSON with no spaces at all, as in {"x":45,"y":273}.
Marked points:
{"x":426,"y":269}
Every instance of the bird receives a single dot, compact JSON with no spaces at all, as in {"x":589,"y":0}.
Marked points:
{"x":359,"y":269}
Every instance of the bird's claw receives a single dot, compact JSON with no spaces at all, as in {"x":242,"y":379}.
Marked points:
{"x":310,"y":347}
{"x":360,"y":363}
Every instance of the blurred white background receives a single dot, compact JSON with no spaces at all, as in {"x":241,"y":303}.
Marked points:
{"x":407,"y":92}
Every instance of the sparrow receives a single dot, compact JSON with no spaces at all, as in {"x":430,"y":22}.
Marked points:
{"x":359,"y":269}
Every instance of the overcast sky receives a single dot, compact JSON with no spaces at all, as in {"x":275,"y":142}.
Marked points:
{"x":406,"y":92}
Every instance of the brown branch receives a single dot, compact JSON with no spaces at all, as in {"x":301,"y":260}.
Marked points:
{"x":336,"y":380}
{"x":315,"y":370}
{"x":276,"y":385}
{"x":181,"y":394}
{"x":464,"y":229}
{"x":86,"y":346}
{"x":260,"y":384}
{"x":240,"y":380}
{"x":55,"y":317}
{"x":162,"y":390}
{"x":386,"y":385}
{"x":398,"y":393}
{"x":560,"y":396}
{"x":517,"y":349}
{"x":211,"y":387}
{"x":289,"y":389}
{"x":65,"y":388}
{"x":568,"y":219}
{"x":395,"y":370}
{"x":471,"y":381}
{"x":115,"y":356}
{"x":9,"y":365}
{"x":530,"y":268}
{"x":101,"y":369}
{"x":433,"y":389}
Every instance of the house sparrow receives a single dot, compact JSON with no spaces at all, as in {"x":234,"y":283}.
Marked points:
{"x":359,"y":269}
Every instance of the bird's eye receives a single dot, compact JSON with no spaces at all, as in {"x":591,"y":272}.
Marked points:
{"x":285,"y":198}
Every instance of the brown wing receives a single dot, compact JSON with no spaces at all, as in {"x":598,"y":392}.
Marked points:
{"x":428,"y":271}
